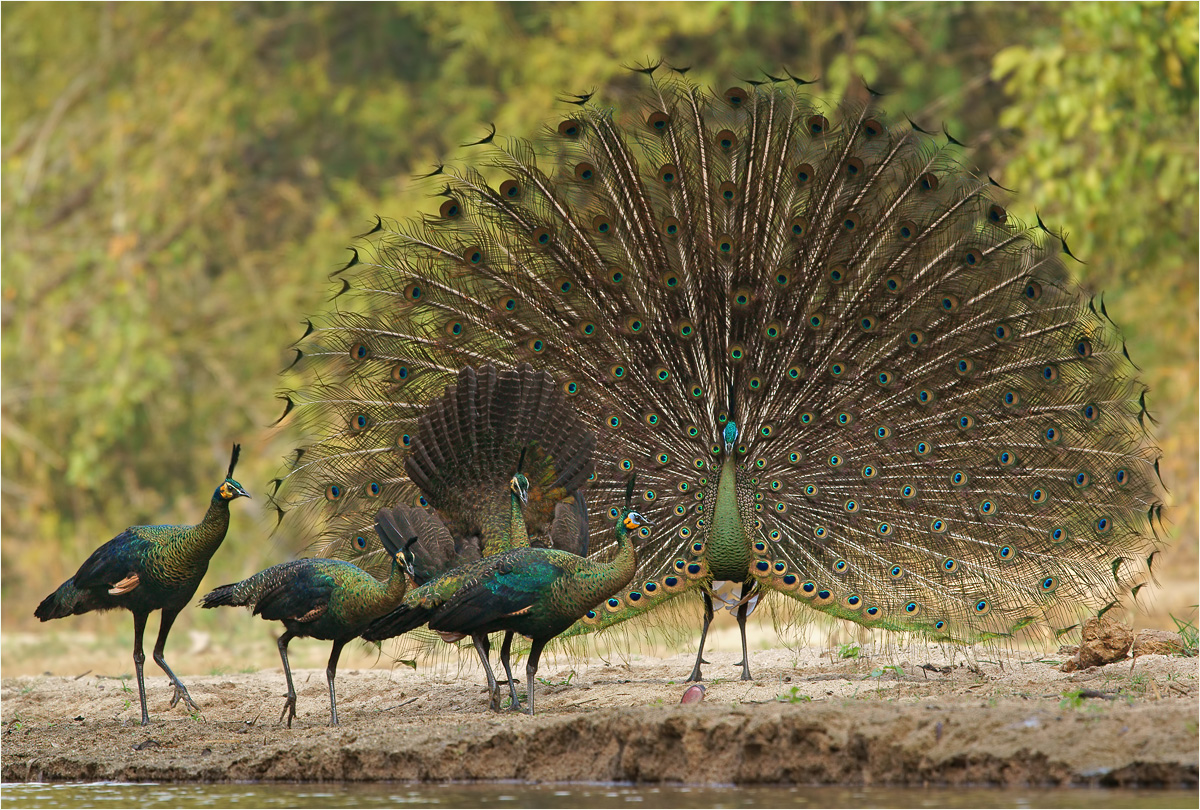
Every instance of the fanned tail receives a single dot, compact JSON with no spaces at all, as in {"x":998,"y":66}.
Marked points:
{"x":935,"y":431}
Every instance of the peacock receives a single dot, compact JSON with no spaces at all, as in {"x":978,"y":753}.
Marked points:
{"x":149,"y":568}
{"x":494,"y":426}
{"x":536,"y":592}
{"x":319,"y":598}
{"x":849,"y":378}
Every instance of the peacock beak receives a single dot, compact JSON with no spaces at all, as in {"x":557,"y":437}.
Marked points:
{"x":241,"y":493}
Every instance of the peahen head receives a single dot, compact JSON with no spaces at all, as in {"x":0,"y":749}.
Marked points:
{"x":519,"y":486}
{"x":230,"y":489}
{"x":730,"y":436}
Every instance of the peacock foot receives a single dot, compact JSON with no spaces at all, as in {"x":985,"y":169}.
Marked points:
{"x":181,"y":693}
{"x":289,"y":710}
{"x":695,"y":676}
{"x":494,"y":700}
{"x":516,"y":706}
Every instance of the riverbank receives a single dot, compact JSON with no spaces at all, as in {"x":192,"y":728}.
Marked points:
{"x":909,"y":718}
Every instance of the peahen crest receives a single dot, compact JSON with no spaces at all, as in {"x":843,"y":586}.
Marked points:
{"x":842,"y":370}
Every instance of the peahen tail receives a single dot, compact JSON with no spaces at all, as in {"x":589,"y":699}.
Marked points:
{"x":67,"y":600}
{"x":232,"y":595}
{"x":841,"y":369}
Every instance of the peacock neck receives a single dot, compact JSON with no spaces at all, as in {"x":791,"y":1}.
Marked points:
{"x":205,"y":537}
{"x":602,"y":580}
{"x":518,"y":536}
{"x":397,"y":583}
{"x":501,"y":535}
{"x":727,"y":548}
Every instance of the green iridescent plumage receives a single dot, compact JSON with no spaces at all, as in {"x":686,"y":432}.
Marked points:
{"x":499,"y":460}
{"x":537,"y":592}
{"x":148,"y":568}
{"x":844,"y":373}
{"x":318,"y":598}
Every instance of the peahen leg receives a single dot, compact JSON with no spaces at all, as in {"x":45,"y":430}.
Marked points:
{"x":289,"y":706}
{"x":330,"y":674}
{"x":743,"y":610}
{"x":484,"y":647}
{"x":505,"y":648}
{"x":708,"y":617}
{"x":181,"y":691}
{"x":531,"y":665}
{"x":139,"y":658}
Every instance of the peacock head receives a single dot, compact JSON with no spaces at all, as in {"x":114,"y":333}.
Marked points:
{"x":519,"y":486}
{"x":634,"y":520}
{"x":730,"y":436}
{"x":408,"y":558}
{"x":230,"y":489}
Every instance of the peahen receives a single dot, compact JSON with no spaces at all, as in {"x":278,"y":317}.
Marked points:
{"x":472,"y":456}
{"x":537,"y":592}
{"x":318,"y":598}
{"x":846,"y":374}
{"x":148,"y":568}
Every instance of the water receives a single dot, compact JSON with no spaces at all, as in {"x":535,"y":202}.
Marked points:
{"x":516,"y":794}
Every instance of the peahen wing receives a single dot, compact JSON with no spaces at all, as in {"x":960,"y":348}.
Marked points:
{"x":112,"y":562}
{"x":512,"y":584}
{"x":298,"y":589}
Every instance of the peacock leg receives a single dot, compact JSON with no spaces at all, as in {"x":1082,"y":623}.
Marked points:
{"x":505,"y":648}
{"x":708,"y":617}
{"x":330,"y":674}
{"x":290,"y":704}
{"x":743,"y":610}
{"x":139,"y":658}
{"x":484,"y":647}
{"x":531,"y":665}
{"x":181,"y":691}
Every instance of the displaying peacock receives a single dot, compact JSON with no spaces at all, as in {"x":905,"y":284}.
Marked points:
{"x":318,"y":598}
{"x":845,"y":374}
{"x":149,"y":568}
{"x":537,"y":592}
{"x":472,"y":457}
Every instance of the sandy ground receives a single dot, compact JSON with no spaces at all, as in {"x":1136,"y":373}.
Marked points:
{"x":907,"y":716}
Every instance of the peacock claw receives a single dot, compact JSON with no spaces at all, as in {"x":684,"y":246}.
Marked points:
{"x":289,"y":710}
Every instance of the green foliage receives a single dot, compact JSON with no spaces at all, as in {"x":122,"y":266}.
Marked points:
{"x":849,"y":651}
{"x":179,"y":179}
{"x":1188,"y":635}
{"x":1104,"y":108}
{"x":794,"y":696}
{"x":1071,"y":700}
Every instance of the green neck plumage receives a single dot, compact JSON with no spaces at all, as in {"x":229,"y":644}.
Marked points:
{"x":601,"y":580}
{"x":397,"y":582}
{"x":727,"y":547}
{"x":518,"y":533}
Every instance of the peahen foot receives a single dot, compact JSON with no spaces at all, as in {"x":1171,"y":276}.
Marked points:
{"x":181,"y":693}
{"x":289,"y":710}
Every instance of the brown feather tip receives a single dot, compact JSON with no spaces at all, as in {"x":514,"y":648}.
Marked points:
{"x":124,"y":586}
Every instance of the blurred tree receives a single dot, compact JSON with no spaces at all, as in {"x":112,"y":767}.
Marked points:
{"x":179,"y":178}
